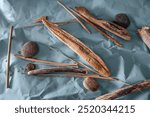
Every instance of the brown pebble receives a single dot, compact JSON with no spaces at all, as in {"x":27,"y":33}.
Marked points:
{"x":91,"y":84}
{"x":30,"y":67}
{"x":29,"y":49}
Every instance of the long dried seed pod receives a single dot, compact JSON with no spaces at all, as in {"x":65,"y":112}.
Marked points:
{"x":56,"y":70}
{"x":78,"y":47}
{"x":109,"y":26}
{"x":144,"y":33}
{"x":125,"y":90}
{"x":99,"y":30}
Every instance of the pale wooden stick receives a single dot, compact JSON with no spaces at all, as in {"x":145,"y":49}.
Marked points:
{"x":125,"y":90}
{"x":46,"y":62}
{"x":68,"y":10}
{"x":8,"y":57}
{"x":101,"y":31}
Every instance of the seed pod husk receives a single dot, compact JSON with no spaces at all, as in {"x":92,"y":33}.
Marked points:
{"x":125,"y":90}
{"x":91,"y":84}
{"x":78,"y":47}
{"x":29,"y":49}
{"x":109,"y":26}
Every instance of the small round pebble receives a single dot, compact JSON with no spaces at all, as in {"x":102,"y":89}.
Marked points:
{"x":30,"y":67}
{"x":29,"y":49}
{"x":122,"y":20}
{"x":91,"y":84}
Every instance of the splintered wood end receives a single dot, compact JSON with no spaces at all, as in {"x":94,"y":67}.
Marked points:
{"x":41,"y":18}
{"x":144,"y":33}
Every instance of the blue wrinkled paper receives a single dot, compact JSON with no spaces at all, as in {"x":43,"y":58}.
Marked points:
{"x":130,"y":64}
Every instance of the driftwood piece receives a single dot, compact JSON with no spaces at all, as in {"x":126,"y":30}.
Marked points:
{"x":57,"y":70}
{"x":8,"y":57}
{"x":47,"y":62}
{"x":78,"y":47}
{"x":109,"y":26}
{"x":100,"y":31}
{"x":80,"y":22}
{"x":144,"y":33}
{"x":125,"y":90}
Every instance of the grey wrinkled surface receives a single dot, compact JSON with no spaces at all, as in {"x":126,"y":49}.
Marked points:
{"x":130,"y":64}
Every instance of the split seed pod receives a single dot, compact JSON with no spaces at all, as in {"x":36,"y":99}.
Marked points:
{"x":29,"y":49}
{"x":91,"y":84}
{"x":78,"y":47}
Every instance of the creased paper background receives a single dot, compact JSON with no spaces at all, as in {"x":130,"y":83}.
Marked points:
{"x":130,"y":64}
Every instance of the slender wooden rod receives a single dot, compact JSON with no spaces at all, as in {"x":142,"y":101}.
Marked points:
{"x":8,"y":57}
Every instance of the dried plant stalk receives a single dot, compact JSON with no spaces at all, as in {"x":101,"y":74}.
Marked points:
{"x":71,"y":74}
{"x":80,"y":22}
{"x":125,"y":90}
{"x":8,"y":57}
{"x":101,"y":31}
{"x":46,"y":62}
{"x":57,"y":70}
{"x":56,"y":23}
{"x":144,"y":32}
{"x":78,"y":47}
{"x":109,"y":26}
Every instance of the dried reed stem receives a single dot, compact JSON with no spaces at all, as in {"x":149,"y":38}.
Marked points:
{"x":46,"y":62}
{"x":8,"y":57}
{"x":56,"y":23}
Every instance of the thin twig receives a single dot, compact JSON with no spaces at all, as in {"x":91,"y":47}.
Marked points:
{"x":8,"y":57}
{"x":101,"y":31}
{"x":125,"y":90}
{"x":46,"y":62}
{"x":68,"y":10}
{"x":57,"y":23}
{"x":71,"y":74}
